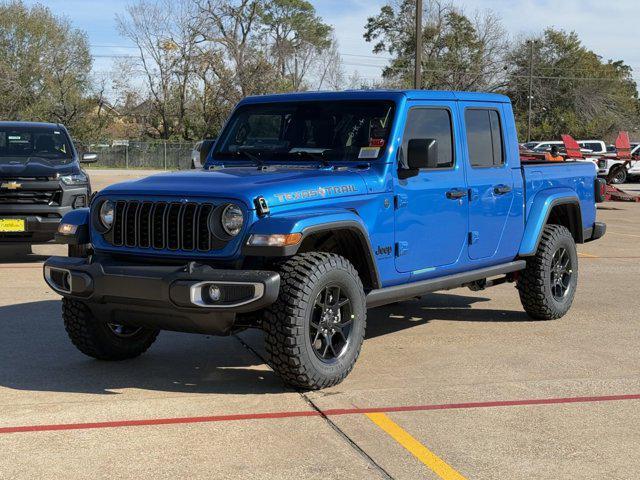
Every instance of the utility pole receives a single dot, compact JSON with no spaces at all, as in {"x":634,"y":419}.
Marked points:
{"x":531,"y":44}
{"x":417,"y":80}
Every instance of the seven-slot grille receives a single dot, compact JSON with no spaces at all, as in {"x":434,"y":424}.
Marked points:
{"x":163,"y":225}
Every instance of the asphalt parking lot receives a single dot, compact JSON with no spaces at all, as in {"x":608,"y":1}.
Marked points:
{"x":455,"y":385}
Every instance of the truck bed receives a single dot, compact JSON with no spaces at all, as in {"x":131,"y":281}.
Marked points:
{"x":578,"y":177}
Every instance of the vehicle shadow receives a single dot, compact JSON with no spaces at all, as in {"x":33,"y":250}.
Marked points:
{"x":434,"y":307}
{"x":19,"y":254}
{"x":36,"y":355}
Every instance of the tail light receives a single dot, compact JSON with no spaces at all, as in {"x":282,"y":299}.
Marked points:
{"x":600,"y":185}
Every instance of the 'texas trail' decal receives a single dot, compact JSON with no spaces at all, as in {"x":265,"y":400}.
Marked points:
{"x":315,"y":192}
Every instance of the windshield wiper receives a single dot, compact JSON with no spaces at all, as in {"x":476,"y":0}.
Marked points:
{"x":251,"y":156}
{"x":313,"y":155}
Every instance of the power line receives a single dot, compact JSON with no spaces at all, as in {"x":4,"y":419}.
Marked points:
{"x":441,"y":70}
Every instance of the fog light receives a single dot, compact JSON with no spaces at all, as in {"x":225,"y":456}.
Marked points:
{"x":214,"y":293}
{"x":67,"y":229}
{"x":80,"y":201}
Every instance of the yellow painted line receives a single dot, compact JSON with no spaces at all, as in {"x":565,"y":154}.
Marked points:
{"x":422,"y":453}
{"x":587,"y":255}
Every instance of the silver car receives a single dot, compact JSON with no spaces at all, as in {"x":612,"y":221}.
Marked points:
{"x":200,"y":151}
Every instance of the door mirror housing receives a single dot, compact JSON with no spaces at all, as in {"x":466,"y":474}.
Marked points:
{"x":422,"y":153}
{"x":89,"y":157}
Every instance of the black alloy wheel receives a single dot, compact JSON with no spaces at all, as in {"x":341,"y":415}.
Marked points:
{"x":331,"y":324}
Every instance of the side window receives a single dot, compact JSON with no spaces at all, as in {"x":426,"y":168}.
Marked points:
{"x":484,"y":138}
{"x":432,"y":123}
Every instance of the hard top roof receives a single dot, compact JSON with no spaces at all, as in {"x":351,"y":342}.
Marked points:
{"x":393,"y":95}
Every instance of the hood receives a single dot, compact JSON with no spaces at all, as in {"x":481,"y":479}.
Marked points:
{"x":278,"y":185}
{"x":36,"y":168}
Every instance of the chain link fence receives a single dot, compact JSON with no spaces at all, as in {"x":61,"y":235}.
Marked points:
{"x":143,"y":155}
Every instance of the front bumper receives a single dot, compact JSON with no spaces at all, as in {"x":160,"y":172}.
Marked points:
{"x":167,"y":297}
{"x":40,"y":228}
{"x":42,"y":220}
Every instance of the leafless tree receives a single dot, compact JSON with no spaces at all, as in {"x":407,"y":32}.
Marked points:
{"x":167,"y":42}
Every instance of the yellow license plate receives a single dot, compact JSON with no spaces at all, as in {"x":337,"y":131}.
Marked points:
{"x":9,"y":225}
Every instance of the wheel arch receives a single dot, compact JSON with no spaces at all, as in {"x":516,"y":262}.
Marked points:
{"x":557,"y":208}
{"x":344,"y":234}
{"x":348,"y":239}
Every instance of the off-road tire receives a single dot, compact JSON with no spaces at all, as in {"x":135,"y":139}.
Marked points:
{"x":287,"y":322}
{"x":94,"y":338}
{"x":534,"y":283}
{"x":79,"y":251}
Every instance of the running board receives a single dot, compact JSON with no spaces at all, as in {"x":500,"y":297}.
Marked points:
{"x":384,"y":296}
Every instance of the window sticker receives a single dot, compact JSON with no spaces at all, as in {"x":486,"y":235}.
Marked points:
{"x":369,"y":152}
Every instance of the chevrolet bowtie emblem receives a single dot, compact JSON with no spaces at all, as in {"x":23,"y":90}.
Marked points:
{"x":11,"y":185}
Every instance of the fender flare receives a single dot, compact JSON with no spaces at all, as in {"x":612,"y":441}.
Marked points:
{"x":543,"y":204}
{"x":80,"y":218}
{"x":309,"y":225}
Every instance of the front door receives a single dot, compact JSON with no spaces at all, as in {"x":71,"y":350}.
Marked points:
{"x":489,"y":177}
{"x":431,"y":207}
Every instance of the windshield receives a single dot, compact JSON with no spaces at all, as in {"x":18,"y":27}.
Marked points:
{"x":326,"y":131}
{"x":20,"y":145}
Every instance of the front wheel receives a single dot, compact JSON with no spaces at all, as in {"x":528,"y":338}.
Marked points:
{"x":548,"y":284}
{"x":102,"y":340}
{"x":315,"y":330}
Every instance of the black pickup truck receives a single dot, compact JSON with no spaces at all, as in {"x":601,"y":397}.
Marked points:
{"x":40,"y":180}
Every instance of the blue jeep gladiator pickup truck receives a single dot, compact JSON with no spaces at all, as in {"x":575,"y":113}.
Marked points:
{"x":314,"y":207}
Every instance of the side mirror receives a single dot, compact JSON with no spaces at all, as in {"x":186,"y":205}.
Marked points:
{"x":207,"y":145}
{"x":89,"y":157}
{"x":422,"y":153}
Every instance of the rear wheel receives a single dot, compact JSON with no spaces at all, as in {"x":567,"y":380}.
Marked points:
{"x":548,"y":284}
{"x":315,"y":330}
{"x":102,"y":340}
{"x":617,"y":175}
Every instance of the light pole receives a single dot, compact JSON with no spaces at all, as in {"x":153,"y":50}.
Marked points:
{"x":417,"y":80}
{"x":531,"y":44}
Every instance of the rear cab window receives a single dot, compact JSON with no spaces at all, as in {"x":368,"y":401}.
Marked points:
{"x":484,"y":137}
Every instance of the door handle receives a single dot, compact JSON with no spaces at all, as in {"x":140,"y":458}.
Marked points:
{"x":501,"y":189}
{"x":456,"y":194}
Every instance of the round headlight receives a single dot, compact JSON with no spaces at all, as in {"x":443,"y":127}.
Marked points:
{"x":106,"y":214}
{"x":232,"y":219}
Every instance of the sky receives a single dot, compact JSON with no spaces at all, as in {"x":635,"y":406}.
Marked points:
{"x":606,"y":27}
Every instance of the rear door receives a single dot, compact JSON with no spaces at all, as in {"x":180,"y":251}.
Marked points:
{"x":431,"y":207}
{"x":490,"y":181}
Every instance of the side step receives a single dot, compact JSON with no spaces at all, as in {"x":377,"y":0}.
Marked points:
{"x":384,"y":296}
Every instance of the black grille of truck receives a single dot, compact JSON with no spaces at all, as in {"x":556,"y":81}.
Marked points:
{"x":31,"y":191}
{"x":163,"y":226}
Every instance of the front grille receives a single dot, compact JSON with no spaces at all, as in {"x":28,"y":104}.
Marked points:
{"x":163,"y":226}
{"x":30,"y":191}
{"x":30,"y":197}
